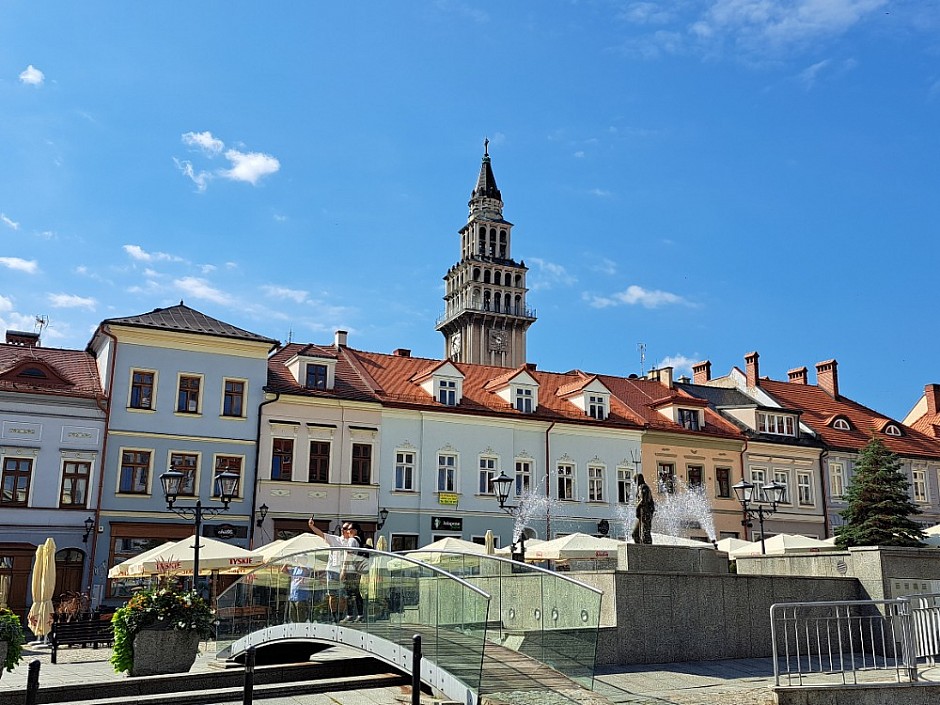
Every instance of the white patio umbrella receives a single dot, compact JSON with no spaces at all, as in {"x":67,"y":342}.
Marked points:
{"x":667,"y":540}
{"x":452,"y":543}
{"x":574,"y":546}
{"x":782,"y":544}
{"x":301,"y":543}
{"x":213,"y":556}
{"x":43,"y":585}
{"x":529,"y":545}
{"x":730,"y":544}
{"x":489,"y":543}
{"x":121,"y":569}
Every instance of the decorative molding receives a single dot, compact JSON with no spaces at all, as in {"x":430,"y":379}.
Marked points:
{"x":316,"y":494}
{"x":280,"y":493}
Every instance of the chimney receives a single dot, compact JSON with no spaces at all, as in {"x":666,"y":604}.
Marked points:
{"x":827,"y":377}
{"x":401,"y":352}
{"x":531,"y":366}
{"x":23,"y":338}
{"x":663,"y":375}
{"x":797,"y":375}
{"x":340,"y":339}
{"x":753,"y":370}
{"x":702,"y":372}
{"x":932,"y":392}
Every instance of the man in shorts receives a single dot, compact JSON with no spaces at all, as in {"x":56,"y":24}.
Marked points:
{"x":335,"y":567}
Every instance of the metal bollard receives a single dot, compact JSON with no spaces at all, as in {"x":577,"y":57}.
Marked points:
{"x":249,"y":676}
{"x":32,"y":682}
{"x":416,"y":670}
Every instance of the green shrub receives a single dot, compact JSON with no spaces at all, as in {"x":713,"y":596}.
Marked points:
{"x":159,"y":608}
{"x":11,"y":631}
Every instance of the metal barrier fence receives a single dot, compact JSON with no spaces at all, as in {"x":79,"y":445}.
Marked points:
{"x":854,"y":642}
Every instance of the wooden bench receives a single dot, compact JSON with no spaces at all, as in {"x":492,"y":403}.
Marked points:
{"x":92,"y":631}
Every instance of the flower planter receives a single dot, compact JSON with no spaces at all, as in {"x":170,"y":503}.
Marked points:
{"x":161,"y":651}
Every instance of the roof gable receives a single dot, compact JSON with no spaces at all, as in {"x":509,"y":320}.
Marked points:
{"x":183,"y":319}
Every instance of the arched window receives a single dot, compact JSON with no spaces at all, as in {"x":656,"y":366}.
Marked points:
{"x":497,"y":301}
{"x":518,"y":310}
{"x":486,"y":300}
{"x":518,"y":280}
{"x":476,"y":274}
{"x":486,"y":276}
{"x":497,"y":278}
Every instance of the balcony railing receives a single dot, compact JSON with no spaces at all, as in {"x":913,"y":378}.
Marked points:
{"x":518,"y":311}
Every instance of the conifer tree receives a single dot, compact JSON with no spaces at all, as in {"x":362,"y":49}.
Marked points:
{"x":880,"y":507}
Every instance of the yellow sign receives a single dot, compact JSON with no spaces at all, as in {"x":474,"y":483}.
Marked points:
{"x":447,"y":498}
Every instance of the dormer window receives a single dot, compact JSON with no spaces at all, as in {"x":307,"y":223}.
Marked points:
{"x":841,"y":424}
{"x":892,"y":430}
{"x":524,"y":400}
{"x":447,"y":392}
{"x":776,"y":424}
{"x":317,"y":376}
{"x":689,"y":419}
{"x":596,"y":406}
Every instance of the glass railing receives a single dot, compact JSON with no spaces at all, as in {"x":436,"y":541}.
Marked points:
{"x":542,"y":614}
{"x":400,"y":595}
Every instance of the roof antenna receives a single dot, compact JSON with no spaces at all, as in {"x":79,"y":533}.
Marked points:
{"x":641,"y":348}
{"x":41,"y":323}
{"x":290,"y":335}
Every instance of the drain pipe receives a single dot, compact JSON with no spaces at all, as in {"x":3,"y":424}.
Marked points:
{"x":254,"y":494}
{"x":823,"y":475}
{"x":548,"y":482}
{"x":106,"y":410}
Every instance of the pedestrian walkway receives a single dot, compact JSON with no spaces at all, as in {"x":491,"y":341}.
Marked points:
{"x":727,"y":682}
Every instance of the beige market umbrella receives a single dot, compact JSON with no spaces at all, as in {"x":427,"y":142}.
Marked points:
{"x":489,"y":543}
{"x":381,"y":544}
{"x":213,"y":556}
{"x":121,"y":570}
{"x":574,"y":546}
{"x":301,"y":543}
{"x":530,"y":544}
{"x":452,"y":543}
{"x":43,"y":585}
{"x":730,"y":544}
{"x":782,"y":544}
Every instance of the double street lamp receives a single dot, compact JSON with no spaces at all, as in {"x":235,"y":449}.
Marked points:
{"x":172,"y":481}
{"x":766,"y":501}
{"x":502,"y":485}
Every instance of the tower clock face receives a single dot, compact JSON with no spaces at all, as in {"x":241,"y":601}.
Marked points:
{"x":498,"y":340}
{"x":455,"y":345}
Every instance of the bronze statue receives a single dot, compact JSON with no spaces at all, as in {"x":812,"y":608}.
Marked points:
{"x":645,"y":507}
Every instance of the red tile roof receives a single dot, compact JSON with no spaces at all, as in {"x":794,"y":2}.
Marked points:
{"x":820,"y":409}
{"x":71,"y":373}
{"x":348,"y":384}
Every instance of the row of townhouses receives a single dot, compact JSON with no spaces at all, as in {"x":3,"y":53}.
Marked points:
{"x":405,"y":445}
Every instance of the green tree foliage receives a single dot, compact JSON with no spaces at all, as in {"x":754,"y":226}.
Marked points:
{"x":880,"y":507}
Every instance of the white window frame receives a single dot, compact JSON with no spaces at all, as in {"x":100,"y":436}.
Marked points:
{"x":596,"y":406}
{"x":406,"y":470}
{"x":624,"y":484}
{"x":488,"y":470}
{"x":689,"y":419}
{"x":782,"y":475}
{"x":448,"y":481}
{"x":919,"y":486}
{"x":776,"y":424}
{"x":565,"y":472}
{"x":758,"y":477}
{"x":892,"y":430}
{"x":153,"y":391}
{"x":595,"y":473}
{"x":525,"y":469}
{"x":804,"y":489}
{"x":524,"y":399}
{"x":841,"y":425}
{"x":837,"y":480}
{"x":448,"y":391}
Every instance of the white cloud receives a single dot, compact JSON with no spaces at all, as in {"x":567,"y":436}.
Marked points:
{"x":10,"y":223}
{"x":200,"y":289}
{"x":5,"y":304}
{"x":32,"y":76}
{"x":809,"y":76}
{"x":549,"y":274}
{"x":748,"y":26}
{"x":678,"y":362}
{"x":201,"y":178}
{"x":22,"y":265}
{"x":579,"y":154}
{"x":141,"y":255}
{"x":635,"y":295}
{"x":249,"y":166}
{"x":605,"y":266}
{"x":281,"y":292}
{"x":204,"y":141}
{"x":72,"y":301}
{"x":600,"y":193}
{"x":207,"y":268}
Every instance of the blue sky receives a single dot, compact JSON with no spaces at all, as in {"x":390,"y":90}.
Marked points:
{"x":706,"y":177}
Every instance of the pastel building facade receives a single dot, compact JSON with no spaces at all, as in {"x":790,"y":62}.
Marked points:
{"x":52,"y":420}
{"x":184,"y":392}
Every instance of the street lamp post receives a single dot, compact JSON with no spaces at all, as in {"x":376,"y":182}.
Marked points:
{"x":502,"y":486}
{"x":766,"y":503}
{"x":172,"y":480}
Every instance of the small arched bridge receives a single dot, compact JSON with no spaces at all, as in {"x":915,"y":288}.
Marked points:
{"x":488,"y":625}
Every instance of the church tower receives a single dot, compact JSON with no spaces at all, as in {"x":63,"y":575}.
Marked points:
{"x":486,"y":317}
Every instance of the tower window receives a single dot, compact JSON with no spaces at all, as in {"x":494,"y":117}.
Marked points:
{"x":447,"y":392}
{"x":497,"y":278}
